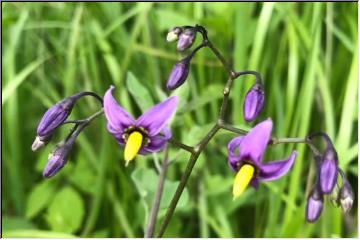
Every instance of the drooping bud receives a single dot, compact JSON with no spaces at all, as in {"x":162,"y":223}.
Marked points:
{"x":346,"y":197}
{"x":328,"y":170}
{"x":254,"y":102}
{"x":57,"y":159}
{"x":173,"y":34}
{"x":314,"y":205}
{"x":55,"y":116}
{"x":186,"y":39}
{"x":178,"y":74}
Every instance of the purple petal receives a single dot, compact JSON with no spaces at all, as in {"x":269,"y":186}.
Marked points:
{"x":54,"y":165}
{"x":118,"y":119}
{"x":276,"y":169}
{"x":254,"y":143}
{"x":156,"y":118}
{"x":157,"y":143}
{"x":233,"y":158}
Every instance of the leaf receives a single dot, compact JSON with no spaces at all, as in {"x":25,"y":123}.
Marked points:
{"x":19,"y":78}
{"x":82,"y":176}
{"x":39,"y":197}
{"x":35,"y":234}
{"x":14,"y":223}
{"x":139,"y":92}
{"x":66,"y":212}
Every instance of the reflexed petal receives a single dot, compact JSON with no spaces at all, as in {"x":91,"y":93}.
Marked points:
{"x":254,"y":143}
{"x":276,"y":169}
{"x":118,"y":119}
{"x":157,"y":143}
{"x":233,"y":157}
{"x":156,"y":118}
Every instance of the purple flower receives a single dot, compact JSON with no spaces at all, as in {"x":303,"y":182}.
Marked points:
{"x":178,"y":74}
{"x":146,"y":134}
{"x":328,"y":169}
{"x":186,"y":39}
{"x":245,"y":154}
{"x":254,"y":102}
{"x":314,"y":204}
{"x":57,"y":159}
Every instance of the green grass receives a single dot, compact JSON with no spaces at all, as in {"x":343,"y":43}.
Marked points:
{"x":305,"y":52}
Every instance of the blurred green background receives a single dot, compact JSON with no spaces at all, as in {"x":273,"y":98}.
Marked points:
{"x":307,"y":54}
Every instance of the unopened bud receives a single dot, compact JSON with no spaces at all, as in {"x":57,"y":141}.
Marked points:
{"x":346,"y":197}
{"x":254,"y":102}
{"x":178,"y":74}
{"x":328,"y":170}
{"x":57,"y":159}
{"x":55,"y":116}
{"x":314,"y":205}
{"x":186,"y":39}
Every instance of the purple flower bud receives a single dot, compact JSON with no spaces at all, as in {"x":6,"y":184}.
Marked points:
{"x":178,"y":74}
{"x":254,"y":102}
{"x":314,"y":205}
{"x":57,"y":159}
{"x":328,"y":170}
{"x":346,"y":197}
{"x":186,"y":39}
{"x":55,"y":116}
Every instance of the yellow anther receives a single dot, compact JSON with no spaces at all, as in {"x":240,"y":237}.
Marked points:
{"x":132,"y":146}
{"x":242,"y":179}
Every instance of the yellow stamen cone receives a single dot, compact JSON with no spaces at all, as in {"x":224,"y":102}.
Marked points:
{"x":132,"y":146}
{"x":242,"y":179}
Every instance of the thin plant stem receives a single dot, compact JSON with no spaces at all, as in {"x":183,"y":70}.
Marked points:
{"x":159,"y":190}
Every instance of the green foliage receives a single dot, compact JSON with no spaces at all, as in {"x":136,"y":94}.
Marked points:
{"x":307,"y":54}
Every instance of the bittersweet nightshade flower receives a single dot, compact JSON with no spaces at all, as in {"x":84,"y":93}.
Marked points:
{"x":52,"y":119}
{"x":57,"y":159}
{"x":245,"y":155}
{"x":146,"y":134}
{"x":178,"y":74}
{"x":186,"y":39}
{"x":254,"y":102}
{"x":314,"y":204}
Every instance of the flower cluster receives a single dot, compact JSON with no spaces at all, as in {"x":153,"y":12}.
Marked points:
{"x":326,"y":183}
{"x":150,"y":132}
{"x":53,"y":118}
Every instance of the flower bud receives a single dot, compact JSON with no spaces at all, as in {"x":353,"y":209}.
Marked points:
{"x":314,"y":205}
{"x":173,"y":34}
{"x":57,"y":159}
{"x":55,"y":116}
{"x":178,"y":74}
{"x":346,"y":197}
{"x":186,"y":39}
{"x":328,"y":170}
{"x":254,"y":102}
